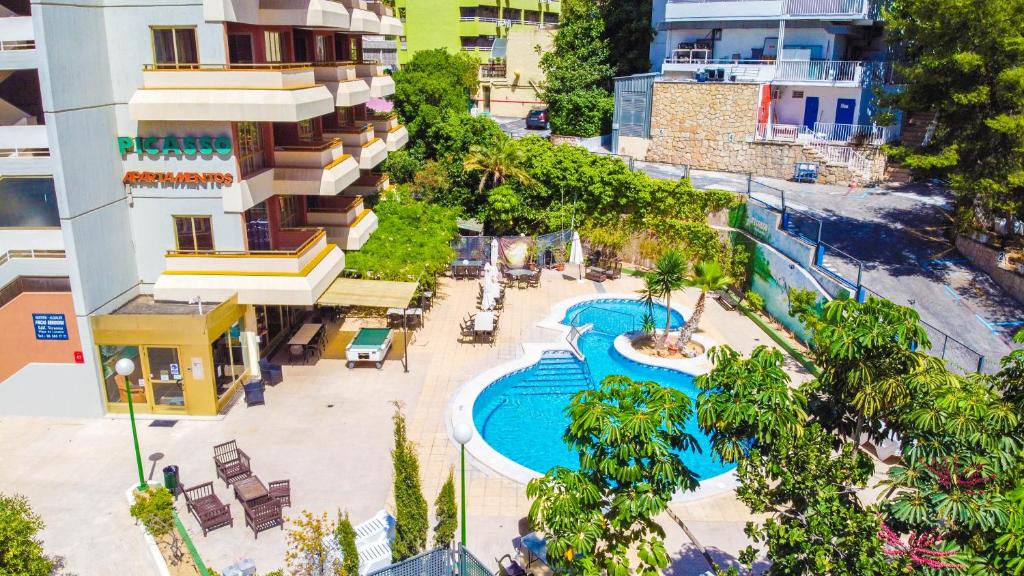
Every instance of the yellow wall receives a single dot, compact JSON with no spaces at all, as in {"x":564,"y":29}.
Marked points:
{"x":191,"y":334}
{"x":516,"y":94}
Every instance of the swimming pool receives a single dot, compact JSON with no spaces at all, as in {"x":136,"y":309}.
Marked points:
{"x":521,"y":415}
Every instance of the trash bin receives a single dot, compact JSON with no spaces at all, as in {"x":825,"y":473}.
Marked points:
{"x":254,"y":392}
{"x":171,"y":481}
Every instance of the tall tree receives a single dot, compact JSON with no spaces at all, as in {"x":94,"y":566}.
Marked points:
{"x":668,"y":275}
{"x":744,"y":400}
{"x":577,"y":73}
{"x":498,"y":163}
{"x":627,"y":436}
{"x":447,"y":513}
{"x":866,"y":353}
{"x":345,"y":536}
{"x":706,"y":277}
{"x":432,"y":82}
{"x":411,"y":522}
{"x":627,"y":28}
{"x":966,"y":65}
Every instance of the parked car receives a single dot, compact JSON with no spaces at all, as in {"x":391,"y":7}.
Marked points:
{"x":537,"y":119}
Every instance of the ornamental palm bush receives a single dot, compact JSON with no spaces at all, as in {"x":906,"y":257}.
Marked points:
{"x":667,"y":276}
{"x":498,"y":163}
{"x":708,"y":277}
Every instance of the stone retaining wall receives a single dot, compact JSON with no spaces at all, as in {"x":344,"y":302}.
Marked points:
{"x":711,"y":126}
{"x":987,"y":259}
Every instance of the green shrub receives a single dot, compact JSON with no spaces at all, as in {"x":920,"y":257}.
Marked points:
{"x":154,"y":508}
{"x":401,"y":166}
{"x":345,"y":535}
{"x":447,"y":513}
{"x":754,"y":300}
{"x":21,"y":552}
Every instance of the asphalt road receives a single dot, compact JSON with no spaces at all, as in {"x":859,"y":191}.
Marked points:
{"x":899,"y":235}
{"x":516,"y":128}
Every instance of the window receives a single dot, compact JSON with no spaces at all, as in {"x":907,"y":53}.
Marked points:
{"x":28,"y":203}
{"x":257,"y":227}
{"x":401,"y":14}
{"x":514,"y":15}
{"x":319,"y":48}
{"x":551,"y":18}
{"x":250,"y":148}
{"x":290,"y":211}
{"x":307,"y":131}
{"x":346,"y":116}
{"x":175,"y":47}
{"x":193,"y":233}
{"x":405,"y":43}
{"x":531,"y":16}
{"x":113,"y":383}
{"x":272,"y":45}
{"x":240,"y":48}
{"x":228,"y":359}
{"x":467,"y":13}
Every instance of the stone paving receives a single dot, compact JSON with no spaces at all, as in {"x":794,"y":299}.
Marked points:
{"x":328,"y":430}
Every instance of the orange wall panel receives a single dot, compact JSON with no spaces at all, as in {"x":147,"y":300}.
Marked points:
{"x":18,"y":344}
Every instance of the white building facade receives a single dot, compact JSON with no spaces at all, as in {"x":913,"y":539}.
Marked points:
{"x":223,"y":152}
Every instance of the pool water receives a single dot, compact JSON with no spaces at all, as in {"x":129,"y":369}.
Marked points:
{"x":521,"y":415}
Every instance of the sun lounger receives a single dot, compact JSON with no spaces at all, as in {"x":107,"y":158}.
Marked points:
{"x":379,"y":528}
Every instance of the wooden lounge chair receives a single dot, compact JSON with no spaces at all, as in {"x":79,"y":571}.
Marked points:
{"x":263,"y":514}
{"x":613,"y":271}
{"x":282,"y":491}
{"x":232,"y":463}
{"x":596,"y":274}
{"x":209,"y":511}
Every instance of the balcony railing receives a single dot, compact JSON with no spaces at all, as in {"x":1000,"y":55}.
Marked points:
{"x":800,"y":8}
{"x":856,"y":133}
{"x":493,"y":70}
{"x":778,"y":132}
{"x":294,"y":242}
{"x":818,"y":70}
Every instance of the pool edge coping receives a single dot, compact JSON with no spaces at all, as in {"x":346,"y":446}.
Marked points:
{"x":460,"y":407}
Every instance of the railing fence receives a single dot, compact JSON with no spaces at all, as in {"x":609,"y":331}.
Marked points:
{"x":848,"y":271}
{"x":439,"y":562}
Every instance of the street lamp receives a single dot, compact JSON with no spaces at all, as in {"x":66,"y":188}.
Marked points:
{"x":125,"y":368}
{"x":463,"y":433}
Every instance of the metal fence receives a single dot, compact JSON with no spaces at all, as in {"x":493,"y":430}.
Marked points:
{"x":480,"y":247}
{"x":439,"y":562}
{"x":847,"y":270}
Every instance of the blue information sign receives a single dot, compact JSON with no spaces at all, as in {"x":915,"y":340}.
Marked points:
{"x":50,"y":326}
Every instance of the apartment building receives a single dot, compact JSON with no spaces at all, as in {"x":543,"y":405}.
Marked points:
{"x":511,"y":86}
{"x":479,"y":27}
{"x":799,"y":72}
{"x":189,"y":177}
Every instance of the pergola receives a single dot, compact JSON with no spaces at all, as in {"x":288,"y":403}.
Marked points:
{"x":373,"y":294}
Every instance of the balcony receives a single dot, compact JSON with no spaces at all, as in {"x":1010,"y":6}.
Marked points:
{"x":235,"y":92}
{"x":369,"y":154}
{"x":370,"y":184}
{"x":394,"y":134}
{"x":489,"y":71}
{"x":691,"y":10}
{"x":313,"y":170}
{"x":24,"y":151}
{"x":839,"y":73}
{"x":381,"y":83}
{"x":341,"y":81}
{"x":347,"y":222}
{"x":17,"y":43}
{"x":362,"y":19}
{"x":320,"y":13}
{"x":295,"y":275}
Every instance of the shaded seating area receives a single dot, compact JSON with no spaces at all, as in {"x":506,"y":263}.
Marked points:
{"x":600,"y":269}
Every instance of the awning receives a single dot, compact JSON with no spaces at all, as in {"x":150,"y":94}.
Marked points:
{"x":373,"y":293}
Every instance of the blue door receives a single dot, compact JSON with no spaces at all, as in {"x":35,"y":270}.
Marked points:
{"x":810,"y":111}
{"x":844,"y":110}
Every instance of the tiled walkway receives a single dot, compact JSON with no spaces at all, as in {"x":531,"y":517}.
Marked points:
{"x":328,"y":430}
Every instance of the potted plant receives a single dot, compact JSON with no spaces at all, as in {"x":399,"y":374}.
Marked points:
{"x":561,"y":253}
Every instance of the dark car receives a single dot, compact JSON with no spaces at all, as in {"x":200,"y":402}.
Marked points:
{"x":537,"y":119}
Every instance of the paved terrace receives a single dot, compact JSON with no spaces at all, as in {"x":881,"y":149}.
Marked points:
{"x":328,"y":430}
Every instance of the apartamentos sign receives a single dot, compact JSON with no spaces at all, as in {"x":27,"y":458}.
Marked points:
{"x":171,"y":145}
{"x":178,"y":178}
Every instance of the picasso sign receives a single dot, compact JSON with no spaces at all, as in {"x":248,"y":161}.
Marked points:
{"x":172,"y":145}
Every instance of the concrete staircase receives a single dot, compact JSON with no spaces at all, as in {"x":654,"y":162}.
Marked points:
{"x":916,"y":128}
{"x":845,"y":162}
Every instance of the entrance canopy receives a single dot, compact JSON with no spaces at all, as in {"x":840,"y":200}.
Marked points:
{"x":374,"y":293}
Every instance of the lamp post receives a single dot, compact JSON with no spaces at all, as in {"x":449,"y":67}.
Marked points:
{"x":463,"y":433}
{"x":125,"y":368}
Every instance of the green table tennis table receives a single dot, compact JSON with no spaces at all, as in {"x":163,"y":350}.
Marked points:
{"x":369,"y":345}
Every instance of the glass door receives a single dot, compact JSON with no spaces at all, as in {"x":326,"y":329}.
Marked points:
{"x":164,"y":375}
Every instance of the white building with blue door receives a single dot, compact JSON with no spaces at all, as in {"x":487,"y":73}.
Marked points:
{"x":820,"y":58}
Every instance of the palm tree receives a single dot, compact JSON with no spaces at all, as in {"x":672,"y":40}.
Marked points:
{"x":709,"y":277}
{"x":498,"y":163}
{"x":668,"y":275}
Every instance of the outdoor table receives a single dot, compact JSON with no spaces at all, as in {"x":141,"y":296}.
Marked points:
{"x":520,"y":272}
{"x":408,"y":311}
{"x":536,"y":548}
{"x":483,"y":322}
{"x":249,"y":489}
{"x":306,"y":334}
